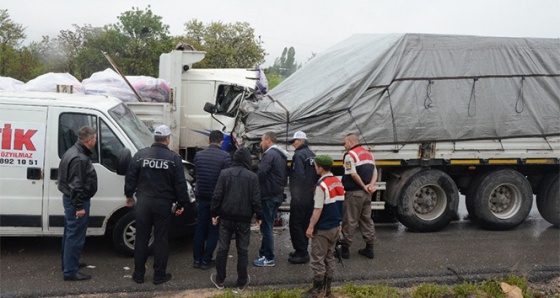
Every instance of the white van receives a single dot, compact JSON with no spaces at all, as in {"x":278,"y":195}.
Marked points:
{"x":35,"y":131}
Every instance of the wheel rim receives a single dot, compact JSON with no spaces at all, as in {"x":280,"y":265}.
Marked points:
{"x":504,"y":201}
{"x":430,"y":202}
{"x":129,"y":235}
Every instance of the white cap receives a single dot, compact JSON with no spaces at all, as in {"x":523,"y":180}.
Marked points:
{"x":162,"y":130}
{"x":299,"y":135}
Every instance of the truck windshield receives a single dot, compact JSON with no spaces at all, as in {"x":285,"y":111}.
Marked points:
{"x":135,"y":129}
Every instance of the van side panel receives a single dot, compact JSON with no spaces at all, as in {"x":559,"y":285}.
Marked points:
{"x":22,"y":164}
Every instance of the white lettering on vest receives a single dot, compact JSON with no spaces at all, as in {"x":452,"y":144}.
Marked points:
{"x":155,"y":164}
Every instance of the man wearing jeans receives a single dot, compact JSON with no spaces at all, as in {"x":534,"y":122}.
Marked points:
{"x":208,"y":163}
{"x":272,"y":179}
{"x":77,"y":181}
{"x":235,"y":200}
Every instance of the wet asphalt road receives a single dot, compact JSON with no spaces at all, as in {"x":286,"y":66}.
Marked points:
{"x":30,"y":267}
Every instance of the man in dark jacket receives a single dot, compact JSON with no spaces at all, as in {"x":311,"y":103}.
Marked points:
{"x":272,"y":178}
{"x":208,"y":163}
{"x":156,"y":176}
{"x":236,"y":199}
{"x":302,"y":182}
{"x":77,"y":180}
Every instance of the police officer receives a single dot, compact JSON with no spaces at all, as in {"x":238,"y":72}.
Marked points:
{"x":302,"y":182}
{"x":156,"y":176}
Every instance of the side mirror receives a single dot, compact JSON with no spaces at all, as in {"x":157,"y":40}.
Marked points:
{"x":123,"y":160}
{"x":209,"y":108}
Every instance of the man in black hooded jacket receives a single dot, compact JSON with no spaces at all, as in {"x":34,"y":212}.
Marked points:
{"x":236,"y":198}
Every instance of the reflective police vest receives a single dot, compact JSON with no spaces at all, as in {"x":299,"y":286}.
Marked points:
{"x":331,"y":216}
{"x":365,"y":165}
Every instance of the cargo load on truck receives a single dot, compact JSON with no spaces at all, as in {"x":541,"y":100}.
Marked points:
{"x":443,"y":115}
{"x":410,"y":88}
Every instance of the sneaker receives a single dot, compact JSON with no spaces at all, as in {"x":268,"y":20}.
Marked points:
{"x":243,"y":287}
{"x":196,"y":264}
{"x":264,"y":262}
{"x":219,"y":285}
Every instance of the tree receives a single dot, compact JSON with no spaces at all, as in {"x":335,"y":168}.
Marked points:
{"x":226,"y":45}
{"x":11,"y":36}
{"x":286,"y":65}
{"x":135,"y":44}
{"x":31,"y":62}
{"x":141,"y":38}
{"x":64,"y":49}
{"x":90,"y":59}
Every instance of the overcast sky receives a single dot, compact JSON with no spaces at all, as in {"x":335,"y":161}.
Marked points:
{"x":310,"y":26}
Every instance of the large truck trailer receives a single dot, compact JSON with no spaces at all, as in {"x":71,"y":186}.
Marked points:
{"x":442,"y":114}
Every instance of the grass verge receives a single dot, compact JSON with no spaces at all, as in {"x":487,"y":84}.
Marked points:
{"x":490,"y":288}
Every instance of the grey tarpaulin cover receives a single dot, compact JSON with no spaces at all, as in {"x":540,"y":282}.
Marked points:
{"x":403,"y":88}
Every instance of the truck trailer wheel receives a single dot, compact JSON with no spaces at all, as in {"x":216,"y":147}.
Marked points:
{"x":548,"y":199}
{"x":124,"y":234}
{"x":471,"y":194}
{"x":502,"y":200}
{"x":428,"y":201}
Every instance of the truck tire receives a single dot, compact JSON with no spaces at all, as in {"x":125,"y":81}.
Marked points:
{"x":548,"y":199}
{"x":124,"y":235}
{"x":470,"y":196}
{"x":502,"y":200}
{"x":428,"y":201}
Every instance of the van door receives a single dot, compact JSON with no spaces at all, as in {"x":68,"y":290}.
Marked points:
{"x":22,"y":147}
{"x":110,"y":193}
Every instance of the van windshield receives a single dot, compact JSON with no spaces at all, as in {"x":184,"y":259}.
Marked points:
{"x":135,"y":129}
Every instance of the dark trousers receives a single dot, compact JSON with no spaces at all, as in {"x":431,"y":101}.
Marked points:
{"x":74,"y":236}
{"x":206,"y":235}
{"x":301,"y":209}
{"x":158,"y":215}
{"x":242,"y":233}
{"x":270,"y":210}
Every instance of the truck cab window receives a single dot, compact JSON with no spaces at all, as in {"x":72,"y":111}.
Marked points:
{"x":229,"y":99}
{"x":110,"y":147}
{"x":68,"y":126}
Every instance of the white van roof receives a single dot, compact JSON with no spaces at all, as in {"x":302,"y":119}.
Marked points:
{"x":59,"y":99}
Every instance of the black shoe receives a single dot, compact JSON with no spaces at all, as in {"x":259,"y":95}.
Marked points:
{"x":79,"y":276}
{"x":344,"y":251}
{"x":208,"y":265}
{"x":165,"y":279}
{"x":82,"y":265}
{"x":298,"y":260}
{"x":367,"y":251}
{"x":292,"y":253}
{"x":137,"y":279}
{"x":196,"y":264}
